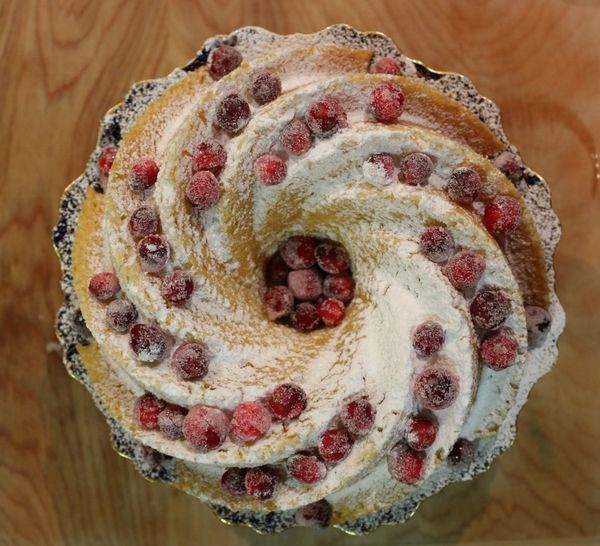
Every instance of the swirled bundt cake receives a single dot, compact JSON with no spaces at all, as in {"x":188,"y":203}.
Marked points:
{"x":312,"y":277}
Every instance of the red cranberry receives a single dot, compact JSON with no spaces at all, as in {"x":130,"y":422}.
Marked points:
{"x":148,"y":342}
{"x":233,"y":482}
{"x":306,"y":468}
{"x":261,"y":482}
{"x":298,"y":252}
{"x":502,"y":215}
{"x":316,"y":514}
{"x":146,"y":411}
{"x":305,"y":317}
{"x":387,"y":101}
{"x":232,"y":114}
{"x":278,"y":302}
{"x":305,"y":284}
{"x":143,"y":221}
{"x":421,"y":432}
{"x":464,"y":269}
{"x":428,"y":338}
{"x":325,"y":117}
{"x":270,"y":169}
{"x":208,"y":155}
{"x":436,"y":388}
{"x":276,"y":270}
{"x":384,"y":165}
{"x":331,"y":311}
{"x":490,"y":308}
{"x":104,"y":286}
{"x":203,"y":190}
{"x":405,"y":464}
{"x":222,"y":60}
{"x":437,"y":244}
{"x":462,"y":452}
{"x":464,"y":185}
{"x":170,"y":421}
{"x":296,"y":137}
{"x":508,"y":164}
{"x":143,"y":175}
{"x":266,"y":87}
{"x":499,"y":351}
{"x":120,"y":315}
{"x":386,"y":65}
{"x":334,"y":445}
{"x":154,"y":253}
{"x":416,"y":168}
{"x":106,"y":159}
{"x":190,"y":361}
{"x":287,"y":401}
{"x":340,"y":287}
{"x":205,"y":428}
{"x":250,"y":421}
{"x":177,"y":287}
{"x":358,"y":416}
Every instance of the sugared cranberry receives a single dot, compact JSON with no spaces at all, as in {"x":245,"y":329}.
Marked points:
{"x":462,"y":452}
{"x":106,"y":159}
{"x":331,"y":311}
{"x":316,"y":514}
{"x":104,"y":286}
{"x":190,"y":361}
{"x":415,"y":168}
{"x":502,"y":215}
{"x":358,"y":416}
{"x":325,"y":117}
{"x":250,"y":421}
{"x":499,"y":351}
{"x":436,"y":388}
{"x":306,"y":468}
{"x":386,"y":65}
{"x":287,"y":401}
{"x":120,"y":315}
{"x":177,"y":286}
{"x":386,"y":101}
{"x":148,"y":342}
{"x":222,"y":60}
{"x":508,"y":164}
{"x":278,"y":302}
{"x":340,"y":287}
{"x":146,"y":411}
{"x":261,"y":482}
{"x":464,"y":185}
{"x":208,"y":155}
{"x":143,"y":221}
{"x":539,"y":321}
{"x":266,"y":87}
{"x":142,"y":175}
{"x":233,"y":482}
{"x":405,"y":464}
{"x":464,"y":269}
{"x":298,"y":252}
{"x":232,"y":114}
{"x":437,"y":244}
{"x":154,"y":253}
{"x":335,"y":445}
{"x":296,"y":137}
{"x":428,"y":338}
{"x":380,"y":167}
{"x":170,"y":421}
{"x":276,"y":270}
{"x":205,"y":428}
{"x":270,"y":169}
{"x":421,"y":432}
{"x":490,"y":308}
{"x":305,"y":284}
{"x":305,"y":317}
{"x":203,"y":190}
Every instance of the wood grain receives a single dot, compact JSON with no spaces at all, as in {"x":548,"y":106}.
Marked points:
{"x":64,"y":63}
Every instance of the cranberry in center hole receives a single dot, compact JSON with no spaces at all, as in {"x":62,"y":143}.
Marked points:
{"x":307,"y":279}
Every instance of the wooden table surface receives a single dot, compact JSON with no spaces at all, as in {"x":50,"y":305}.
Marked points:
{"x":64,"y":63}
